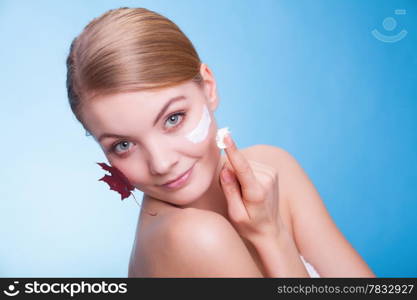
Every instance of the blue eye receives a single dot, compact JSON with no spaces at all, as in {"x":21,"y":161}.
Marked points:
{"x":173,"y":118}
{"x":121,"y":143}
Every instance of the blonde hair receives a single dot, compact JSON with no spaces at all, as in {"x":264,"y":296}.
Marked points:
{"x":128,"y":49}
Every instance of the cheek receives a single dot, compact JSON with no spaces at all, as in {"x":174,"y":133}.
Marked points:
{"x":201,"y":131}
{"x":207,"y":150}
{"x":205,"y":146}
{"x":136,"y":175}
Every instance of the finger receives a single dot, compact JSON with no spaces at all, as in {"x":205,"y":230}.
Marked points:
{"x":242,"y":168}
{"x":260,"y":172}
{"x":231,"y":188}
{"x":239,"y":210}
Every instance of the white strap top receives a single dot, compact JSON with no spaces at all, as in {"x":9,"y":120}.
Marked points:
{"x":310,"y":269}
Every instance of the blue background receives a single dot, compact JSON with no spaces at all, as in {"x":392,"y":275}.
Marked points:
{"x":307,"y":76}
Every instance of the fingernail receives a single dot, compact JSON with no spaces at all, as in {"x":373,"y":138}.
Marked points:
{"x":228,"y":140}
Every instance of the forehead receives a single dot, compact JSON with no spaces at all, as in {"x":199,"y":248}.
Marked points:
{"x":117,"y":112}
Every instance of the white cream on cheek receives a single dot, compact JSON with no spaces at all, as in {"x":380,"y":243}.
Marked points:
{"x":200,"y":132}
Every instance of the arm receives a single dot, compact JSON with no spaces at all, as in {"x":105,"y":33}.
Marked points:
{"x":252,"y":193}
{"x":315,"y":233}
{"x":199,"y":243}
{"x":280,"y":256}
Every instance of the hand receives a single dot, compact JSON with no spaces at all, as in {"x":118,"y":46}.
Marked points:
{"x":251,"y":193}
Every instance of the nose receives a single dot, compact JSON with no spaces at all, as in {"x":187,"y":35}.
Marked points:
{"x":161,"y":158}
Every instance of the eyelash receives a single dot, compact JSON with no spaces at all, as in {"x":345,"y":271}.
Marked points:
{"x":180,"y":113}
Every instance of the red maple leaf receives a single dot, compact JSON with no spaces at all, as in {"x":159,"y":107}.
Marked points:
{"x":118,"y":182}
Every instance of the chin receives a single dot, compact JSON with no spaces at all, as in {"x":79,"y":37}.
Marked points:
{"x":198,"y":184}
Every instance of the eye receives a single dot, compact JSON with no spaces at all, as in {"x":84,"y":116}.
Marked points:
{"x":174,"y":118}
{"x":123,"y":143}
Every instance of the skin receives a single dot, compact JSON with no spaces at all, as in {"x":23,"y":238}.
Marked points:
{"x":155,"y":155}
{"x":192,"y":235}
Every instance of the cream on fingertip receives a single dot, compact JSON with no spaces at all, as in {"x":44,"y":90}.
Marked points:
{"x":221,"y":134}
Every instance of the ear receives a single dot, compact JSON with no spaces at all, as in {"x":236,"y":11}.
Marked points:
{"x":210,"y":88}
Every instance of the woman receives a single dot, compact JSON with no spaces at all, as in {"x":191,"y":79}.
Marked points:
{"x":137,"y":85}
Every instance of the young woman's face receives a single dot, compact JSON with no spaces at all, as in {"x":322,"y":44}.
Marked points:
{"x":153,"y":143}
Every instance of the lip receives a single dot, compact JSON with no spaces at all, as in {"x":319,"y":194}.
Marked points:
{"x":180,"y":181}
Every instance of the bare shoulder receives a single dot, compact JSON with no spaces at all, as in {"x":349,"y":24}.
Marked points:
{"x":269,"y":154}
{"x":197,"y":243}
{"x":291,"y":174}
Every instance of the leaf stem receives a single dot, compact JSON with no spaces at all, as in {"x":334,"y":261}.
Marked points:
{"x":135,"y":198}
{"x":152,"y":214}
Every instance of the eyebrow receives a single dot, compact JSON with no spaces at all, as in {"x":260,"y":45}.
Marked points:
{"x":160,"y":114}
